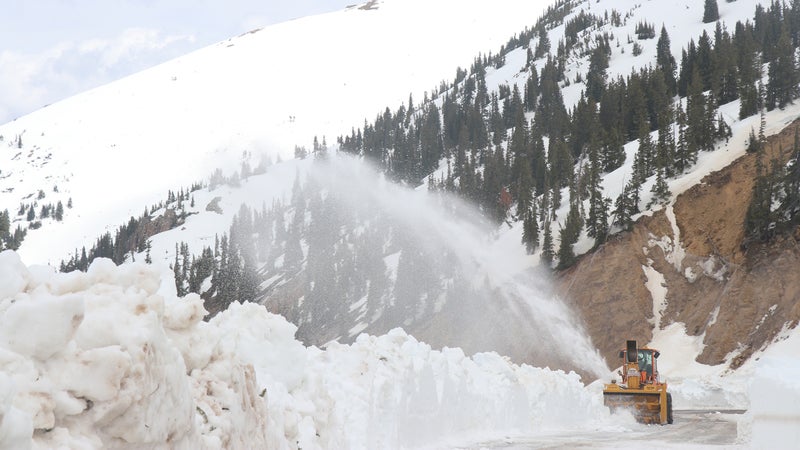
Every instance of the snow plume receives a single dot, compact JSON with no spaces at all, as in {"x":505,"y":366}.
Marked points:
{"x":458,"y":281}
{"x":113,"y":358}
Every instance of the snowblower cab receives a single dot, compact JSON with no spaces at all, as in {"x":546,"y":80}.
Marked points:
{"x":640,"y":389}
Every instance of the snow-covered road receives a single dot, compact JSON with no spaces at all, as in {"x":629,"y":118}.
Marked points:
{"x":693,"y":429}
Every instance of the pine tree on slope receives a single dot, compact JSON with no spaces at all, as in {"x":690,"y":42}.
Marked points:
{"x":710,"y":11}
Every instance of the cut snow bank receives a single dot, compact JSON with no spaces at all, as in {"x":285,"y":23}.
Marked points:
{"x":113,"y":358}
{"x":100,"y":359}
{"x":774,"y":414}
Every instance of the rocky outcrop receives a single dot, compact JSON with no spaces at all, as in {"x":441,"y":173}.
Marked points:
{"x":739,"y":297}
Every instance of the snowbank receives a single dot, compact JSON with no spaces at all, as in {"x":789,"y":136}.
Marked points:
{"x":694,"y":385}
{"x":775,"y":395}
{"x":113,"y":358}
{"x":99,"y":359}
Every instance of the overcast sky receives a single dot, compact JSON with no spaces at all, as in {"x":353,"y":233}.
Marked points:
{"x":52,"y":49}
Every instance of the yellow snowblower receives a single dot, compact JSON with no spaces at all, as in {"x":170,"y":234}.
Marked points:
{"x":640,"y":389}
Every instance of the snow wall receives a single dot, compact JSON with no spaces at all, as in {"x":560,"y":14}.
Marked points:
{"x":114,"y":358}
{"x":775,"y":397}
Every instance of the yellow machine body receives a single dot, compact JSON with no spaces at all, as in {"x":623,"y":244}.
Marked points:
{"x":640,"y":390}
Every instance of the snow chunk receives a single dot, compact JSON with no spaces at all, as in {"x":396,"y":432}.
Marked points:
{"x":13,"y":277}
{"x":40,"y":327}
{"x":90,"y":358}
{"x":16,"y":427}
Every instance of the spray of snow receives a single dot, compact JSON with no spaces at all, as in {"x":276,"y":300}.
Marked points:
{"x":528,"y":321}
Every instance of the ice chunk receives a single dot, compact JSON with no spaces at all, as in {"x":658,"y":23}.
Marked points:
{"x":40,"y":327}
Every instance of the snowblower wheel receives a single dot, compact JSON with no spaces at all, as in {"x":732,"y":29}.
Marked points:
{"x":669,"y":408}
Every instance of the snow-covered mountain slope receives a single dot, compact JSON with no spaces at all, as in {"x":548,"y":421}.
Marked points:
{"x":682,"y":27}
{"x":121,"y":147}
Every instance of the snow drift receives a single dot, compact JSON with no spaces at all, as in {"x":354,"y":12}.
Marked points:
{"x":113,"y":358}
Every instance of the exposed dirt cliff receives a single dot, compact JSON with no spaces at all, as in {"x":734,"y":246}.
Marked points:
{"x":738,"y":297}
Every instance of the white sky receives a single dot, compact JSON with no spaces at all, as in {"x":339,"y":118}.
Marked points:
{"x":52,"y":49}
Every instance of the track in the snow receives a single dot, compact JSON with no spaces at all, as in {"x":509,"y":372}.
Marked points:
{"x":692,"y":429}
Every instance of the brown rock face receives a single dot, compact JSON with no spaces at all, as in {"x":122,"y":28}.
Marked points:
{"x":739,"y":296}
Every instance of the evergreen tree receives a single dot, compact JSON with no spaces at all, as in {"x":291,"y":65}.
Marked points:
{"x":666,"y":62}
{"x":723,"y":129}
{"x":793,"y":17}
{"x":202,"y":268}
{"x":683,"y":158}
{"x":180,"y":285}
{"x":758,"y":217}
{"x":561,"y":165}
{"x":642,"y":163}
{"x":530,"y":229}
{"x":493,"y":182}
{"x":726,"y":76}
{"x":709,"y":129}
{"x":660,"y":190}
{"x":585,"y":126}
{"x":249,"y":284}
{"x":5,"y":231}
{"x":782,"y":86}
{"x":531,"y":89}
{"x":597,"y":222}
{"x":185,"y":267}
{"x":710,"y":11}
{"x":637,"y":114}
{"x":552,"y":114}
{"x":569,"y":235}
{"x":546,"y":256}
{"x":705,"y":63}
{"x":496,"y":118}
{"x":626,"y":205}
{"x":696,"y":114}
{"x":543,"y":46}
{"x":688,"y":67}
{"x":666,"y":148}
{"x":612,"y":152}
{"x":538,"y":159}
{"x":524,"y":188}
{"x":430,"y":141}
{"x":791,"y":184}
{"x":749,"y":94}
{"x":293,"y":252}
{"x":596,"y":77}
{"x":753,"y":142}
{"x":59,"y":213}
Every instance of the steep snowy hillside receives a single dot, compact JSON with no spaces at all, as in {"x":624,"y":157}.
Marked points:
{"x":121,"y":147}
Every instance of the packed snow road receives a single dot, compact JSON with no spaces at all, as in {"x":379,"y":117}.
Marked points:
{"x":693,"y":429}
